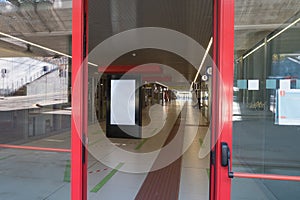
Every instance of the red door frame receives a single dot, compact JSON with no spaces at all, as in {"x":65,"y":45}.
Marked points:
{"x":222,"y":94}
{"x":79,"y":101}
{"x":223,"y":57}
{"x":223,"y":54}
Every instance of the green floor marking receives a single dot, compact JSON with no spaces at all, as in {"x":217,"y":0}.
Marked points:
{"x":200,"y":141}
{"x":106,"y":178}
{"x":143,"y":141}
{"x":5,"y":157}
{"x":67,"y":171}
{"x":208,"y":172}
{"x":141,"y":144}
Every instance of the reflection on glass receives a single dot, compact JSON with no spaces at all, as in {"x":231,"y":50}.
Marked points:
{"x":33,"y":89}
{"x":35,"y":99}
{"x":266,"y":116}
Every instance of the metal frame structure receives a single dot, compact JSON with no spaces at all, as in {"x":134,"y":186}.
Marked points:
{"x":79,"y":101}
{"x":221,"y":175}
{"x":223,"y":49}
{"x":223,"y":54}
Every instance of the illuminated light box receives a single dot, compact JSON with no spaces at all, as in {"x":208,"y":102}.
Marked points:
{"x":122,"y":102}
{"x":124,"y":106}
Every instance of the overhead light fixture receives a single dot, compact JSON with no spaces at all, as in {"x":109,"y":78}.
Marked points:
{"x":203,"y":59}
{"x":280,"y":32}
{"x":46,"y":1}
{"x":255,"y":49}
{"x":239,"y":59}
{"x":40,"y":46}
{"x":35,"y":45}
{"x":273,"y":37}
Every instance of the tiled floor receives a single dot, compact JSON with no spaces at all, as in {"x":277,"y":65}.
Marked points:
{"x":33,"y":175}
{"x":124,"y":185}
{"x":36,"y":175}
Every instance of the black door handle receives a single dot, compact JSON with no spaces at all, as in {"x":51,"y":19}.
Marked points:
{"x":225,"y":158}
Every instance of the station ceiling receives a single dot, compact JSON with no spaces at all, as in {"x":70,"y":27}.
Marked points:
{"x":49,"y":23}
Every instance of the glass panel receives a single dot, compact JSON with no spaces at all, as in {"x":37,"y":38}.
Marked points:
{"x":266,"y":115}
{"x":159,"y":45}
{"x":35,"y":99}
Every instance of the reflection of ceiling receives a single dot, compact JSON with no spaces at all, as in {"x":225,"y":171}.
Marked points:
{"x":192,"y":17}
{"x":48,"y":22}
{"x":145,"y":56}
{"x":255,"y":19}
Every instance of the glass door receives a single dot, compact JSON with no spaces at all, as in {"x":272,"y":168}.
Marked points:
{"x":35,"y":115}
{"x":266,"y":115}
{"x":222,"y":74}
{"x":263,"y":147}
{"x":146,"y":61}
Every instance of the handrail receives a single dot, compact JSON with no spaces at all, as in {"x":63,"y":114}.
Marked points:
{"x":226,"y":162}
{"x":266,"y":176}
{"x":34,"y":148}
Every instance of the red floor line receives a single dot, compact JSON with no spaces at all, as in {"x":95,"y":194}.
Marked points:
{"x":163,"y":183}
{"x":266,"y":176}
{"x":34,"y":148}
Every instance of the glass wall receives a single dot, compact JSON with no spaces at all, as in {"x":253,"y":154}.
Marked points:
{"x":35,"y":112}
{"x":266,"y":114}
{"x":157,"y":46}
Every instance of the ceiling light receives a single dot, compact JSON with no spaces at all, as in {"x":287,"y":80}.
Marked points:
{"x":203,"y":59}
{"x":40,"y":46}
{"x":273,"y":37}
{"x":248,"y":54}
{"x":277,"y":34}
{"x":46,"y":1}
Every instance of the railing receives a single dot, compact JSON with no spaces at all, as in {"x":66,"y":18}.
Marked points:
{"x":34,"y":148}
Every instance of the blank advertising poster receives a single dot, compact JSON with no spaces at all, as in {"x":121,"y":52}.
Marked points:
{"x":122,"y":105}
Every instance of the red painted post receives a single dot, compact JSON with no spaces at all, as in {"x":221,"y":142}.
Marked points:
{"x":220,"y":185}
{"x":79,"y":102}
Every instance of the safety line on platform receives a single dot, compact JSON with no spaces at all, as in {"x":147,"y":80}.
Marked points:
{"x":141,"y":144}
{"x":67,"y":172}
{"x":107,"y":178}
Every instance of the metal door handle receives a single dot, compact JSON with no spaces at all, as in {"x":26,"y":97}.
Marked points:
{"x":225,"y":158}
